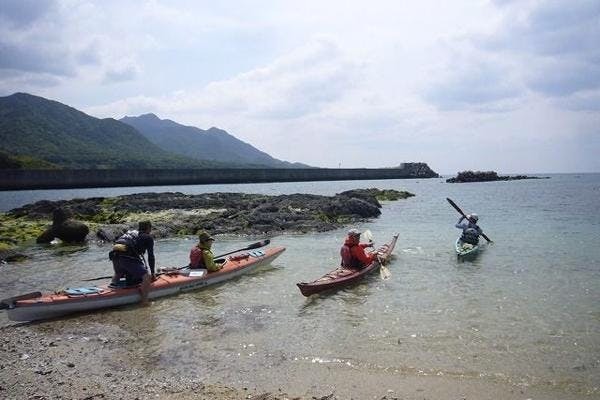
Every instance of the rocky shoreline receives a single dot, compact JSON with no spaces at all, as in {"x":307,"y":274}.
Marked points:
{"x":176,"y":214}
{"x":487,"y":176}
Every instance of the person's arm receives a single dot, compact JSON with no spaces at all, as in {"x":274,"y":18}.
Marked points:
{"x":460,"y":224}
{"x":360,"y":254}
{"x":150,"y":249}
{"x":209,"y":261}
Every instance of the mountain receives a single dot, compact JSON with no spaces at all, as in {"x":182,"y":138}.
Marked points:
{"x":46,"y":131}
{"x":213,"y":144}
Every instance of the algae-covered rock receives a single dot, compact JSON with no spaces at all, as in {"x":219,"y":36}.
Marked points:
{"x":220,"y":213}
{"x":64,"y":228}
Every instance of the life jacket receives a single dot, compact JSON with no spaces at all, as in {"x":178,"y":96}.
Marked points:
{"x":470,"y":235}
{"x":130,"y":240}
{"x":348,"y":261}
{"x":197,"y":258}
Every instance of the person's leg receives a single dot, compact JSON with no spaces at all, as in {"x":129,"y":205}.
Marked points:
{"x":118,"y":270}
{"x":136,"y":273}
{"x":145,"y":288}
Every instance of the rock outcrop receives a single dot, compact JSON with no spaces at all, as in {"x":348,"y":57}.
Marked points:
{"x":487,"y":176}
{"x":218,"y":213}
{"x":64,"y":228}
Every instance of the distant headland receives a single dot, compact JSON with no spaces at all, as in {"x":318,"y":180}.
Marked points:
{"x":487,"y":176}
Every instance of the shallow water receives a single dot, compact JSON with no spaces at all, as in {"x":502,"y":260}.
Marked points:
{"x":524,"y":312}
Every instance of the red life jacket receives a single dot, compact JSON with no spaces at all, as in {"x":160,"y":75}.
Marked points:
{"x":196,"y":258}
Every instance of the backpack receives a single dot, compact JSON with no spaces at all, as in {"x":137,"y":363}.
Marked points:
{"x":470,"y":235}
{"x":130,"y":239}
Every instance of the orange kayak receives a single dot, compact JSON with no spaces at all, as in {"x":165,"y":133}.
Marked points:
{"x":36,"y":306}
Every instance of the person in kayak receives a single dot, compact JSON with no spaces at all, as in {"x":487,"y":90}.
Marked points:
{"x":471,"y":231}
{"x":127,"y":256}
{"x":201,"y":255}
{"x":353,"y":252}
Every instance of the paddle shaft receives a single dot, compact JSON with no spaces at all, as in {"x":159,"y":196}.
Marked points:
{"x":383,"y":270}
{"x":457,"y":208}
{"x":256,"y":245}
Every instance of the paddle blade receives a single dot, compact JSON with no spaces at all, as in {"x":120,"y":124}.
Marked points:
{"x":457,"y":208}
{"x":385,"y":272}
{"x":256,"y":245}
{"x":368,"y":235}
{"x":250,"y":247}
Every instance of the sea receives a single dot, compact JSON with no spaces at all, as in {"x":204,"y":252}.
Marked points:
{"x":524,"y":313}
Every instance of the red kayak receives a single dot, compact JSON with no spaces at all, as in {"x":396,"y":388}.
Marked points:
{"x":341,"y":277}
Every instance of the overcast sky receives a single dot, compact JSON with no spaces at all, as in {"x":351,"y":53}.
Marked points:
{"x":510,"y":86}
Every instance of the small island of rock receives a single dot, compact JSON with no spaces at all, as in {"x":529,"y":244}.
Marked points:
{"x":487,"y":176}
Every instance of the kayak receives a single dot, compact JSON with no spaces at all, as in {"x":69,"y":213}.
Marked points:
{"x":341,"y":276}
{"x":35,"y":306}
{"x":464,"y":249}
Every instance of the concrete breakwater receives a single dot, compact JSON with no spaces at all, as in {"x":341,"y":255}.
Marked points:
{"x":81,"y":178}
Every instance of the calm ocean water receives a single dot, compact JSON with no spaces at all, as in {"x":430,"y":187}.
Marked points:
{"x":525,"y":312}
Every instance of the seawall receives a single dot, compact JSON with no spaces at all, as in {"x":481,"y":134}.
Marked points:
{"x":85,"y":178}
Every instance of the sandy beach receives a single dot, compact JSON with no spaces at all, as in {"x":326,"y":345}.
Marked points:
{"x":78,"y":358}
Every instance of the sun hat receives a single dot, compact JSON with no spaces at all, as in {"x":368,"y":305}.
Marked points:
{"x":204,"y":237}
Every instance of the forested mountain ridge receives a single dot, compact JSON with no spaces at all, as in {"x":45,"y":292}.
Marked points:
{"x":56,"y":134}
{"x":213,"y":144}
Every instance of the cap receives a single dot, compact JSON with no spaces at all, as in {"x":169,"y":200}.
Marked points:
{"x":353,"y":232}
{"x":204,"y":237}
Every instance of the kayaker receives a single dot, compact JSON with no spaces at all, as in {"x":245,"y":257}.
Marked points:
{"x":127,"y":256}
{"x":353,"y":252}
{"x":471,"y":231}
{"x":201,"y":255}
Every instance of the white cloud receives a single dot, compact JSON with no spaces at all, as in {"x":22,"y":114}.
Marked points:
{"x":326,"y":82}
{"x":293,"y":86}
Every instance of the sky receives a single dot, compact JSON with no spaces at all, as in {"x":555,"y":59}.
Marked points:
{"x":509,"y":86}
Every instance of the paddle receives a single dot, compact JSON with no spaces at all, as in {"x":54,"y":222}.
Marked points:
{"x":383,"y":270}
{"x":457,"y":208}
{"x":256,"y":245}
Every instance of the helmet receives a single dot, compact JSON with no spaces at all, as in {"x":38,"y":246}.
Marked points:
{"x":353,"y":232}
{"x":473,"y":217}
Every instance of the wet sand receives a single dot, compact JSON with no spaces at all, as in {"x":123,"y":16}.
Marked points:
{"x":80,"y":358}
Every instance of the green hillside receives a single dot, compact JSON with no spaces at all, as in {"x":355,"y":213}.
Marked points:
{"x":34,"y":128}
{"x":208,"y":145}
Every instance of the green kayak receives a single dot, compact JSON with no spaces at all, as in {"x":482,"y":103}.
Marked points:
{"x":464,"y":249}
